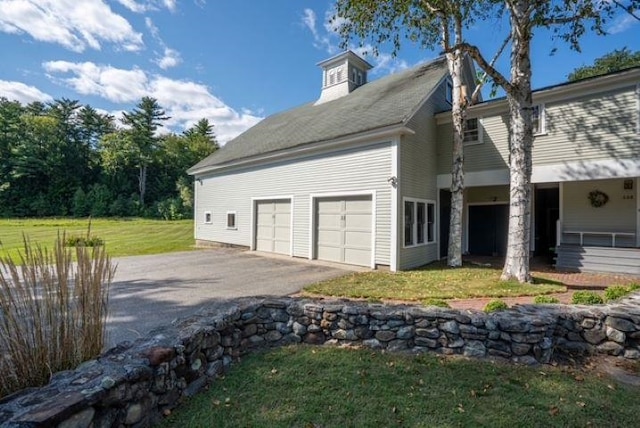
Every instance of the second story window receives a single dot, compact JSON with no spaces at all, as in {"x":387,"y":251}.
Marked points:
{"x":538,"y":119}
{"x":471,"y":131}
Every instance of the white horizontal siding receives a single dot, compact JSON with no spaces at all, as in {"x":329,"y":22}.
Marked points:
{"x":617,"y":215}
{"x":418,"y":180}
{"x":595,"y":126}
{"x":354,"y":170}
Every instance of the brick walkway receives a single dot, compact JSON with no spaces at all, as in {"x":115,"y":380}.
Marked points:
{"x":573,"y":280}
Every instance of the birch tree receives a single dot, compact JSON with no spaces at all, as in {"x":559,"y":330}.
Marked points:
{"x":568,"y":20}
{"x":433,"y":24}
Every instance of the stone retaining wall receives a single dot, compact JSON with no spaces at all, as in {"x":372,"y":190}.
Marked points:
{"x":133,"y":384}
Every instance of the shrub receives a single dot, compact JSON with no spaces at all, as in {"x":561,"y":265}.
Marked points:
{"x":496,"y":305}
{"x":436,"y":302}
{"x":83,"y":241}
{"x":541,"y":300}
{"x":53,"y":311}
{"x":619,"y":291}
{"x":170,"y":209}
{"x":586,"y":298}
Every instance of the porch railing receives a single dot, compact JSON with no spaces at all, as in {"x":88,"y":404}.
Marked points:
{"x":582,"y":233}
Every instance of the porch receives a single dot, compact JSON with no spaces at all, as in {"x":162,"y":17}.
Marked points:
{"x":581,"y":258}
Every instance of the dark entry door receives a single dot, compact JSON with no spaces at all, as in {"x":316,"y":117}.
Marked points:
{"x":445,"y":220}
{"x":488,"y":226}
{"x":547,"y":214}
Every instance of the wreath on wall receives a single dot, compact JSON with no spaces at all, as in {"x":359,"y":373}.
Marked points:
{"x":598,"y":198}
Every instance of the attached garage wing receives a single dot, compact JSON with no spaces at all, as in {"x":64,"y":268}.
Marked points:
{"x":273,"y":226}
{"x":343,"y":229}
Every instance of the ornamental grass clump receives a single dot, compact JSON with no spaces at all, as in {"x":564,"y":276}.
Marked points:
{"x":52,"y":311}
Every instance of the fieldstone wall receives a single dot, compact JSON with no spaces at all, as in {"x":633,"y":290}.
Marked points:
{"x":134,"y":384}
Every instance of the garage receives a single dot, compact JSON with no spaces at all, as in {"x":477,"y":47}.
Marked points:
{"x":343,"y":231}
{"x":273,"y":226}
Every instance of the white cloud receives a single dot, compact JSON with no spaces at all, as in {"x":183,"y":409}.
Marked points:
{"x":25,"y":94}
{"x":74,"y":24}
{"x":148,"y":5}
{"x":170,"y":57}
{"x":185,"y":101}
{"x":622,"y":23}
{"x":329,"y":41}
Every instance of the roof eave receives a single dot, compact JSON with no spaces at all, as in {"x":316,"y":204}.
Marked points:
{"x":365,"y":137}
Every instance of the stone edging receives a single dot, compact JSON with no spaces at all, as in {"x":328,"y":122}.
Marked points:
{"x":134,"y":383}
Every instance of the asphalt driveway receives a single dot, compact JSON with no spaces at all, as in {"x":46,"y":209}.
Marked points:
{"x":151,"y":291}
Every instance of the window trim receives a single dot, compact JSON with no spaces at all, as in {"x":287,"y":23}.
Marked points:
{"x":542,"y":119}
{"x":414,"y":229}
{"x":480,"y":138}
{"x":233,"y":226}
{"x":207,"y":214}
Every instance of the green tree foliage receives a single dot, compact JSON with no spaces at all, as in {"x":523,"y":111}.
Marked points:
{"x":619,"y":59}
{"x":64,"y":158}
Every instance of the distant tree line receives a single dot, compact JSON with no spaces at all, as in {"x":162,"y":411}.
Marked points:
{"x":67,"y":159}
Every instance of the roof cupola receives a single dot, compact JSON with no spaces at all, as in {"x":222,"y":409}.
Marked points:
{"x":341,"y":75}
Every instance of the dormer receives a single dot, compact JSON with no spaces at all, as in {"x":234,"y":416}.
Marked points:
{"x":341,"y":75}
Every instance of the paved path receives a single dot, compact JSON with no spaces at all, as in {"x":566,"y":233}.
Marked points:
{"x":151,"y":291}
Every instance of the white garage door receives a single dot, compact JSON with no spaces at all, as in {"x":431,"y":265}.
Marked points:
{"x":343,"y":230}
{"x":273,"y":226}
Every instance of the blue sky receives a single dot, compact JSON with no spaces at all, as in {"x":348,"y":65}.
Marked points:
{"x":231,"y":61}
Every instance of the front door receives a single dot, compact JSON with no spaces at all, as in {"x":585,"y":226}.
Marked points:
{"x":488,"y":228}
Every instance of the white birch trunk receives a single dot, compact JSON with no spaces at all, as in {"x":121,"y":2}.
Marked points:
{"x":454,"y":252}
{"x":516,"y":264}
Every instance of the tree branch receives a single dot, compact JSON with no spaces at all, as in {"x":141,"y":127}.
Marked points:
{"x":476,"y":91}
{"x":475,"y":53}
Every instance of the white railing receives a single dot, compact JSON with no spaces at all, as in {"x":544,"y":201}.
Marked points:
{"x":582,"y":233}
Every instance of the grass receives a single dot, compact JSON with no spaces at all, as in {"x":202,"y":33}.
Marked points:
{"x":434,"y":281}
{"x":335,"y":387}
{"x":123,"y":237}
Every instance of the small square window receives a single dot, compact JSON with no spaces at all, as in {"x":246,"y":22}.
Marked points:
{"x":231,"y":220}
{"x":471,"y":131}
{"x":207,"y":217}
{"x":538,"y":119}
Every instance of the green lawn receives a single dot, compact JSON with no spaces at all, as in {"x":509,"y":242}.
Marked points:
{"x":326,"y":387}
{"x":435,"y":281}
{"x":123,"y":237}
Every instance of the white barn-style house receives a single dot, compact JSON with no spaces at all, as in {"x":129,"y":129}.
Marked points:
{"x":361,"y":175}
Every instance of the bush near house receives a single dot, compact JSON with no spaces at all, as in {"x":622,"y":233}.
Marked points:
{"x":586,"y":298}
{"x":619,"y":291}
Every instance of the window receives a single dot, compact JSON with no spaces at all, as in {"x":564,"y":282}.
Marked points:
{"x":419,"y":222}
{"x":409,"y":208}
{"x":360,"y":78}
{"x":471,"y":131}
{"x":207,"y":217}
{"x":538,"y":119}
{"x":448,"y":95}
{"x":231,"y":220}
{"x":353,"y":75}
{"x":332,"y":76}
{"x":339,"y":74}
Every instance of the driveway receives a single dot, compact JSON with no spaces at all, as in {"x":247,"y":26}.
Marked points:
{"x":151,"y":291}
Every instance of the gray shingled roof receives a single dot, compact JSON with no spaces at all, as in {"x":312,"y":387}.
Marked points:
{"x":391,"y":100}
